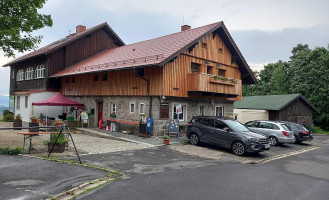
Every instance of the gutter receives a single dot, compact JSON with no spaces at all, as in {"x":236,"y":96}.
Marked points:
{"x":147,"y":89}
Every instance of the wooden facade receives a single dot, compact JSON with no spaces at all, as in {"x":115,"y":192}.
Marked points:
{"x":172,"y":79}
{"x":59,"y":59}
{"x":297,"y":111}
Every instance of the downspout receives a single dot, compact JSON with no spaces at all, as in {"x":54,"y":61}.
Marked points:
{"x":147,"y":90}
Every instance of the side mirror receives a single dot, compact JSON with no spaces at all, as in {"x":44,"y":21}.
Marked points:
{"x":226,"y":129}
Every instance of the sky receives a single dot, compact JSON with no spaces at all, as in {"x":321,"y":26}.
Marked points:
{"x":265,"y":31}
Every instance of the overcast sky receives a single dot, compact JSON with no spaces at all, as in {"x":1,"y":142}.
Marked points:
{"x":264,"y":30}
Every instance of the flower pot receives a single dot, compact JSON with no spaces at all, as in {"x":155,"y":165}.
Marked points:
{"x":166,"y":141}
{"x":18,"y":124}
{"x":58,"y":148}
{"x":34,"y":121}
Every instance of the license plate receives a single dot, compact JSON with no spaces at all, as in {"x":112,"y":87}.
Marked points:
{"x":267,"y":146}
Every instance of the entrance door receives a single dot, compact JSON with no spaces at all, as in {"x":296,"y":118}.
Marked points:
{"x":100,"y":111}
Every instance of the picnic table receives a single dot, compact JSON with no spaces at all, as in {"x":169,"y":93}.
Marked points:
{"x":30,"y":135}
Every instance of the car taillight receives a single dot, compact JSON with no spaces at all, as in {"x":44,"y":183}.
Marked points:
{"x":285,"y":133}
{"x":304,"y":132}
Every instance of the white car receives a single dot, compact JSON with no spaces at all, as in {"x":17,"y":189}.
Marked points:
{"x":277,"y":132}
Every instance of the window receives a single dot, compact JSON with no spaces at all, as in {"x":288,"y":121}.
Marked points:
{"x":132,"y":107}
{"x":181,"y":116}
{"x":195,"y":67}
{"x":220,"y":50}
{"x":201,"y":110}
{"x":104,"y":77}
{"x":208,"y":122}
{"x":204,"y":45}
{"x":219,"y":124}
{"x":73,"y":79}
{"x":141,"y":108}
{"x":265,"y":125}
{"x":114,"y":108}
{"x":18,"y":102}
{"x":219,"y":112}
{"x":40,"y":71}
{"x":221,"y":72}
{"x":29,"y":73}
{"x":209,"y":69}
{"x":20,"y":75}
{"x":26,"y":101}
{"x":251,"y":124}
{"x":67,"y":80}
{"x":164,"y":111}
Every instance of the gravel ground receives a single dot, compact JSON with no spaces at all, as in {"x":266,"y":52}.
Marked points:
{"x":85,"y":144}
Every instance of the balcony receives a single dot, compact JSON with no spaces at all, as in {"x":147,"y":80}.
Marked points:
{"x":204,"y":83}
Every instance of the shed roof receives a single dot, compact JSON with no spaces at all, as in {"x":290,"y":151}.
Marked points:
{"x":270,"y":102}
{"x":158,"y":52}
{"x":63,"y":42}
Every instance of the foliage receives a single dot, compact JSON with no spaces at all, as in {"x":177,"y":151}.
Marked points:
{"x":8,"y":118}
{"x":316,"y":129}
{"x":18,"y":19}
{"x":18,"y":117}
{"x":165,"y":137}
{"x":52,"y":140}
{"x":11,"y":151}
{"x":5,"y":112}
{"x":306,"y":73}
{"x":33,"y":117}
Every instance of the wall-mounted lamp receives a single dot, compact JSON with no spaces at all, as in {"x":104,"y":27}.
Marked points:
{"x":207,"y":61}
{"x":218,"y":64}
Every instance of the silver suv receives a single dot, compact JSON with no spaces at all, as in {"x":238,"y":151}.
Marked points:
{"x":277,"y":132}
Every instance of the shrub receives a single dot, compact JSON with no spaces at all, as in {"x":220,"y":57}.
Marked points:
{"x":61,"y":139}
{"x":5,"y":112}
{"x":11,"y":151}
{"x":8,"y":117}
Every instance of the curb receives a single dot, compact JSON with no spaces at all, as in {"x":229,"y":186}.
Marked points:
{"x":98,"y":134}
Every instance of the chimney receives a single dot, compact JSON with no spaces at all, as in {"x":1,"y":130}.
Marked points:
{"x":80,"y":29}
{"x":185,"y":27}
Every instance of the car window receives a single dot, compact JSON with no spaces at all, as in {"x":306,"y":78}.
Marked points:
{"x":219,"y":124}
{"x":251,"y":124}
{"x":275,"y":127}
{"x":293,"y":127}
{"x":285,"y":127}
{"x":265,"y":125}
{"x":208,"y":122}
{"x":236,"y":126}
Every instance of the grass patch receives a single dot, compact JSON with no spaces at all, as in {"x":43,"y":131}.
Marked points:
{"x":11,"y":150}
{"x":316,"y":129}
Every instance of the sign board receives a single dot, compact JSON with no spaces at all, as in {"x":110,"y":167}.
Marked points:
{"x":174,"y":126}
{"x":179,"y":109}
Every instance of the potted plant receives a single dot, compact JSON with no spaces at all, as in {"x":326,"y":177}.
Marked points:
{"x":17,"y":122}
{"x":166,"y":139}
{"x":58,"y":122}
{"x":34,"y":119}
{"x":70,"y":118}
{"x":113,"y":115}
{"x":59,"y":145}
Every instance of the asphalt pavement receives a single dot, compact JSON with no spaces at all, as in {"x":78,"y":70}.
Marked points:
{"x":299,"y":177}
{"x":31,"y":178}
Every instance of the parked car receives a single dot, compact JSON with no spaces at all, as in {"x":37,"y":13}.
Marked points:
{"x":277,"y":132}
{"x":300,"y":132}
{"x":227,"y":133}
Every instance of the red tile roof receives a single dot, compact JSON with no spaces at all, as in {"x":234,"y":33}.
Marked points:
{"x":62,"y":42}
{"x":156,"y":51}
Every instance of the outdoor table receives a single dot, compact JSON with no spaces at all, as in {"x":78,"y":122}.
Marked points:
{"x":30,"y":136}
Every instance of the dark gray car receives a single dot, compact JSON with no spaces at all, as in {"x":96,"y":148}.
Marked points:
{"x":227,"y":133}
{"x":300,"y":132}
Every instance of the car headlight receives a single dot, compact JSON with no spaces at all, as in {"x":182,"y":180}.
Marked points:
{"x":253,"y":139}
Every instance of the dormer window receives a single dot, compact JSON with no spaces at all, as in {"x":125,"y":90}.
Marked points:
{"x":29,"y":73}
{"x":204,"y":45}
{"x":20,"y":75}
{"x":40,"y":71}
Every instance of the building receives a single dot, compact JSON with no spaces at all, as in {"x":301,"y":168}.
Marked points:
{"x":30,"y":74}
{"x":199,"y":70}
{"x":290,"y":107}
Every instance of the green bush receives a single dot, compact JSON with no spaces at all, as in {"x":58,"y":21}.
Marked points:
{"x":61,"y":139}
{"x":11,"y":151}
{"x":8,"y":117}
{"x":5,"y":112}
{"x":316,"y":129}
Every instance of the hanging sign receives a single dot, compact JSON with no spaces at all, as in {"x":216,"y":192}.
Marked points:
{"x":179,"y":109}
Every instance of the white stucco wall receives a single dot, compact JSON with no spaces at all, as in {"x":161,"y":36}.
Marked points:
{"x":26,"y":112}
{"x":245,"y":115}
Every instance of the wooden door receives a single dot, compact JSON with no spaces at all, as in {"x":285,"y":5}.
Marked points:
{"x":99,"y":111}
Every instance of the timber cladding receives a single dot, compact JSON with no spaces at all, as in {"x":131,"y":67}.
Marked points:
{"x":173,"y":79}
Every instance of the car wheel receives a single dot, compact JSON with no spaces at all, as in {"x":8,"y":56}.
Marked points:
{"x":273,"y":141}
{"x":296,"y":139}
{"x":238,"y":148}
{"x":194,"y":139}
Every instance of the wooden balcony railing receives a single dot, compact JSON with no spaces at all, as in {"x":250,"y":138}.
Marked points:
{"x":199,"y":82}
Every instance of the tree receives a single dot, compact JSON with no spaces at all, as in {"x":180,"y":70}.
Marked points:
{"x":279,"y":81}
{"x":298,"y":49}
{"x":18,"y":19}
